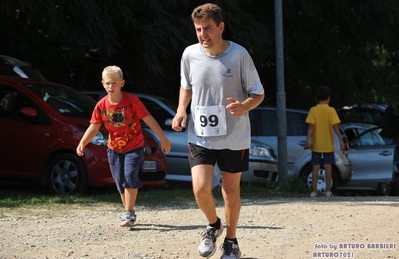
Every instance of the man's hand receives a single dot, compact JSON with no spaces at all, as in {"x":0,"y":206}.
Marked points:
{"x":179,"y":121}
{"x":236,"y":108}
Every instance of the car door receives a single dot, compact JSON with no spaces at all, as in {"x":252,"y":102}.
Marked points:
{"x":264,"y":128}
{"x":178,"y":166}
{"x":371,"y":158}
{"x":21,"y":137}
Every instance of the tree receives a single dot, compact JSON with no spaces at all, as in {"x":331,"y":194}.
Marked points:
{"x":71,"y":41}
{"x":350,"y":46}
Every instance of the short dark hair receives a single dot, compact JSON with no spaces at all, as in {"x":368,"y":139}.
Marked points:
{"x":323,"y":93}
{"x":205,"y":11}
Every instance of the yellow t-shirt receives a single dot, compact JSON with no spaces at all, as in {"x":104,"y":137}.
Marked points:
{"x":322,"y":116}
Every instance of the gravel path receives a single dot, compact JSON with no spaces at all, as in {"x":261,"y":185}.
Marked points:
{"x":360,"y":227}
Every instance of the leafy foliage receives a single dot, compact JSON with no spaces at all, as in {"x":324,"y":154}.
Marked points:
{"x":350,"y":46}
{"x":338,"y":44}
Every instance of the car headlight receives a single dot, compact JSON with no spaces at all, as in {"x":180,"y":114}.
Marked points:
{"x":260,"y":150}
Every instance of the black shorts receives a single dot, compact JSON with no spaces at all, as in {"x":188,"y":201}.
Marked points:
{"x":232,"y":161}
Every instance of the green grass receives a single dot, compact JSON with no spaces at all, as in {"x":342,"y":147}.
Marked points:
{"x":27,"y":195}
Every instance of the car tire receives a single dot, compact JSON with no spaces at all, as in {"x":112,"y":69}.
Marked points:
{"x":306,"y":176}
{"x":385,"y":189}
{"x":66,"y":174}
{"x":395,"y":184}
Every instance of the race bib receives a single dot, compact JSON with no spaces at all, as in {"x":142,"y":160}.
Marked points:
{"x":210,"y":121}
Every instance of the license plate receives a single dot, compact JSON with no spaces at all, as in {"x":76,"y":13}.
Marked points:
{"x":149,"y":166}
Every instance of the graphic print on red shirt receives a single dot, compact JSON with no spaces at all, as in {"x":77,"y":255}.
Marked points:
{"x":122,"y":122}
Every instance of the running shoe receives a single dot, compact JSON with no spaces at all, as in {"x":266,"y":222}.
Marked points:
{"x":314,"y":194}
{"x":128,"y":218}
{"x":207,"y":247}
{"x":230,"y":250}
{"x":329,"y":194}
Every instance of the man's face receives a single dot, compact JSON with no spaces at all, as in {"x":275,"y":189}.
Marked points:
{"x":208,"y":33}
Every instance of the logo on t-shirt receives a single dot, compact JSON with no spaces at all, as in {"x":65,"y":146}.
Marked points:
{"x":228,"y":73}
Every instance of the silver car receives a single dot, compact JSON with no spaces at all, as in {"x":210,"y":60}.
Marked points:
{"x":264,"y":128}
{"x":371,"y":156}
{"x":262,"y":159}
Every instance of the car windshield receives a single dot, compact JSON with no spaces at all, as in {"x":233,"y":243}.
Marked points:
{"x":158,"y":111}
{"x":65,"y":100}
{"x":168,"y":103}
{"x":366,"y":115}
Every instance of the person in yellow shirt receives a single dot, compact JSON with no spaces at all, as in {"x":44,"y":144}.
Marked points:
{"x":322,"y":120}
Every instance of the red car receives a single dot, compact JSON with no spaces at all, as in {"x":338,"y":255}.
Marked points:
{"x":41,"y":125}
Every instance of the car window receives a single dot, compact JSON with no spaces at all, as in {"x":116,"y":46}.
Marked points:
{"x":296,"y":124}
{"x":13,"y":66}
{"x":362,"y":137}
{"x":264,"y":123}
{"x":11,"y":101}
{"x":159,"y":113}
{"x":371,"y":138}
{"x":65,"y":100}
{"x":95,"y":96}
{"x":351,"y":136}
{"x":360,"y":115}
{"x":168,"y":103}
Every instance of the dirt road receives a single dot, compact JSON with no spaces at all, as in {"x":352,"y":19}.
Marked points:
{"x":336,"y":227}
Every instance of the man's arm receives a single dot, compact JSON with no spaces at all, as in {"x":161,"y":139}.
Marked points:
{"x":179,"y":121}
{"x":239,"y":108}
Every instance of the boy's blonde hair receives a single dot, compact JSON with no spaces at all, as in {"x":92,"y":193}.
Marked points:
{"x":112,"y":71}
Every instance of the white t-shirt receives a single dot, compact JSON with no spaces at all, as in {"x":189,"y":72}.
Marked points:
{"x":212,"y":80}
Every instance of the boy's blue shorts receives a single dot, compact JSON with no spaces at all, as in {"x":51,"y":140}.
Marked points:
{"x":125,"y":168}
{"x":328,"y":158}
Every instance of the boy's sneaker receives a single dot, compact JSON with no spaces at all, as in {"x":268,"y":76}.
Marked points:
{"x":128,"y":218}
{"x":314,"y":194}
{"x":230,"y":250}
{"x":329,"y":194}
{"x":207,"y":247}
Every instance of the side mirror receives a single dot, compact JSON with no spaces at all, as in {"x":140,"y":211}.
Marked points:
{"x":28,"y":112}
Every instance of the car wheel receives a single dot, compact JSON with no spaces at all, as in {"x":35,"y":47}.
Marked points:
{"x":385,"y":189}
{"x":307,"y":177}
{"x":66,"y":174}
{"x":395,"y":186}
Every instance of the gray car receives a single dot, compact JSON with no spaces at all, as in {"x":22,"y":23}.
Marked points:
{"x":264,"y":128}
{"x":371,"y":156}
{"x":262,"y":159}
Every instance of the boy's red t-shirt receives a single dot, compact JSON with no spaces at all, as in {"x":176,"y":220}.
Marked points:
{"x":122,"y":122}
